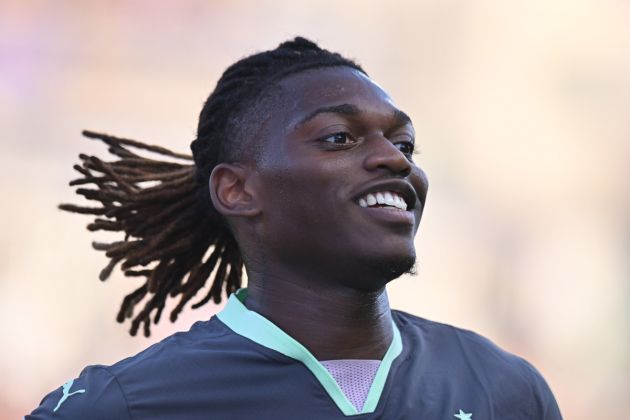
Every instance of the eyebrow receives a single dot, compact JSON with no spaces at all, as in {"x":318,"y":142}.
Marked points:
{"x":401,"y":117}
{"x":347,"y":110}
{"x":350,"y":110}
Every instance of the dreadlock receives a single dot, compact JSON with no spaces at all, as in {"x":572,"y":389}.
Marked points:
{"x":173,"y":236}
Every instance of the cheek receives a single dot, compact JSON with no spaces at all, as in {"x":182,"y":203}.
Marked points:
{"x":309,"y":194}
{"x":420,"y":183}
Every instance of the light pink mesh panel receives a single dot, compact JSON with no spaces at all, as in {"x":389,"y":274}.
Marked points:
{"x":354,"y":377}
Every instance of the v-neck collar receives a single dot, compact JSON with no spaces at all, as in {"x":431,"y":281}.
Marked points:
{"x":259,"y":329}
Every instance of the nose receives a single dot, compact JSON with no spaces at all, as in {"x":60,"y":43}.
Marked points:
{"x":383,"y":154}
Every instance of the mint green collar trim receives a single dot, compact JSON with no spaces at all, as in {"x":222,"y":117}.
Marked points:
{"x":259,"y":329}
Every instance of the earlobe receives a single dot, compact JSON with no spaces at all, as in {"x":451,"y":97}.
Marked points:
{"x":230,"y":191}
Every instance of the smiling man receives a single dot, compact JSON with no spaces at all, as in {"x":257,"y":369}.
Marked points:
{"x":304,"y":172}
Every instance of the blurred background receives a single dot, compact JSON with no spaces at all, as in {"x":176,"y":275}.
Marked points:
{"x":523,"y":117}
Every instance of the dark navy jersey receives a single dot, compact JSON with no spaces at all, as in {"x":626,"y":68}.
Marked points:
{"x":239,"y":365}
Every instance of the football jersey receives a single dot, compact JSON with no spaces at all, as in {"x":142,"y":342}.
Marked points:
{"x":239,"y":365}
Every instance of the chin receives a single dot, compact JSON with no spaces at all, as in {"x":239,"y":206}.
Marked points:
{"x":382,"y":270}
{"x":391,"y":269}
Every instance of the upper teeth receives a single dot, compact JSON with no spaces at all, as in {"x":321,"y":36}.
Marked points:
{"x":387,"y":198}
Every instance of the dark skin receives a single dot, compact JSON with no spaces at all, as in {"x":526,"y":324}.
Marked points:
{"x":318,"y":262}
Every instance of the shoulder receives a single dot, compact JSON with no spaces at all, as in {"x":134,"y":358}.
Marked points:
{"x":449,"y":340}
{"x":176,"y":351}
{"x":107,"y":392}
{"x":95,"y":394}
{"x":465,"y":353}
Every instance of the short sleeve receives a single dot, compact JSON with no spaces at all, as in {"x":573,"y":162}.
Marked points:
{"x":545,"y":405}
{"x":95,"y":394}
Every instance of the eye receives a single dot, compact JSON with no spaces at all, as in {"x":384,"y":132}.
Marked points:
{"x":406,"y":147}
{"x":341,"y":137}
{"x":405,"y":143}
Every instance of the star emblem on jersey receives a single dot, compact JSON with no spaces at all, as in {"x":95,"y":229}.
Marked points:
{"x":463,"y":416}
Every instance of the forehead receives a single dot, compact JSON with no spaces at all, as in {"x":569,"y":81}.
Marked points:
{"x":305,"y":92}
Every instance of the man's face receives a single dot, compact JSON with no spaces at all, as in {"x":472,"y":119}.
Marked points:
{"x":334,"y":146}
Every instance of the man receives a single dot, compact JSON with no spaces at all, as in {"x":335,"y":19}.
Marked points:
{"x":305,"y":174}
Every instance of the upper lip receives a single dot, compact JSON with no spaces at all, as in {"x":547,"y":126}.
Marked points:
{"x":400,"y":186}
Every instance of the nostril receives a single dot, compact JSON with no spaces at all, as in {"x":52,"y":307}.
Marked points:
{"x":406,"y":171}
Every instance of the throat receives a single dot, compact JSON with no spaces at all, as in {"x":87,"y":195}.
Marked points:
{"x":331,"y":324}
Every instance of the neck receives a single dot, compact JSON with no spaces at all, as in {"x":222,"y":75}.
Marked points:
{"x":331,"y":321}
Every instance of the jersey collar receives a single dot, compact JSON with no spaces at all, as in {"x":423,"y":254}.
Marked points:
{"x":259,"y":329}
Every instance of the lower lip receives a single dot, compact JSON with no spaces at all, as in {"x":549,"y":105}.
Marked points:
{"x":391,"y":215}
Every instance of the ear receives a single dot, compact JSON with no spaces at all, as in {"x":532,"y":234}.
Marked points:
{"x":230,"y":191}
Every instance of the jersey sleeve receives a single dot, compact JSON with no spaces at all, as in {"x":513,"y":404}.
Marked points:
{"x":545,"y":405}
{"x":95,"y":394}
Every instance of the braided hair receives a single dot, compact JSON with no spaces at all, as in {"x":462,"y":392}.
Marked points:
{"x":173,"y":237}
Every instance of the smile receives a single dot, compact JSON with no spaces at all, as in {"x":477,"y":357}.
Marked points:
{"x":383,"y":199}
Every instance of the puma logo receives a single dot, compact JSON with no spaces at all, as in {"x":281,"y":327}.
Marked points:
{"x":67,"y":393}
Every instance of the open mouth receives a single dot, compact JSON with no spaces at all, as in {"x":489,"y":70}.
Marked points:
{"x":384,"y":199}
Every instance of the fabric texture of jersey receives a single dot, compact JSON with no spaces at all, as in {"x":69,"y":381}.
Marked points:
{"x":354,"y":377}
{"x":435,"y":371}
